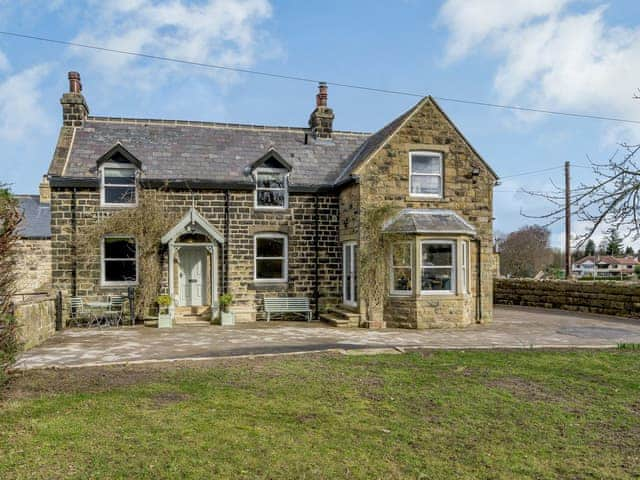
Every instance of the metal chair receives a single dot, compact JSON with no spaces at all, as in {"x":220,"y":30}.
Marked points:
{"x":115,"y":312}
{"x":80,"y":316}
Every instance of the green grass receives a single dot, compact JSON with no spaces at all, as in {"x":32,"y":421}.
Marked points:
{"x":459,"y":415}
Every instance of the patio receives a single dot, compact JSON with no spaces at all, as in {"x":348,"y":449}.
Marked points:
{"x":513,"y":327}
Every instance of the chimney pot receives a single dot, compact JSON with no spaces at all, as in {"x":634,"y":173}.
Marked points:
{"x":75,"y":85}
{"x":321,"y":119}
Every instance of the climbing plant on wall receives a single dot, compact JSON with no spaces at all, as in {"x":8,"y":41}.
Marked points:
{"x":373,"y":253}
{"x":147,"y":222}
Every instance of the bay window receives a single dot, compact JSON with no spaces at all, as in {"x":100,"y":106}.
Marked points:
{"x":270,"y":257}
{"x":401,"y":268}
{"x":438,"y":266}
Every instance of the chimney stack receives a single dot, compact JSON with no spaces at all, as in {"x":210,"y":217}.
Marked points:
{"x":74,"y":106}
{"x":321,"y":119}
{"x":45,"y":190}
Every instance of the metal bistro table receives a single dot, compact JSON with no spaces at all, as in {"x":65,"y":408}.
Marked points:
{"x":99,"y":313}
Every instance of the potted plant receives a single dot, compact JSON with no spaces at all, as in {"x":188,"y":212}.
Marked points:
{"x":226,"y":317}
{"x":165,"y":319}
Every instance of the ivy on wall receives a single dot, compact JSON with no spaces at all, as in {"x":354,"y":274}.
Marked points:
{"x":147,"y":222}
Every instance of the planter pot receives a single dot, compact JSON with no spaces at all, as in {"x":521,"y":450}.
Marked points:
{"x":165,"y":320}
{"x":227,"y":318}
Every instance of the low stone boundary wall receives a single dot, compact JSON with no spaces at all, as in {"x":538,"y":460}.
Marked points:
{"x":36,"y":318}
{"x":611,"y":298}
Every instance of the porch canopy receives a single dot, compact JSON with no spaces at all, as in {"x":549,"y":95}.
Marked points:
{"x":192,"y":222}
{"x":417,"y":221}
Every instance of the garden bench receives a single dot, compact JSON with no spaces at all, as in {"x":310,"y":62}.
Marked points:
{"x":287,"y":305}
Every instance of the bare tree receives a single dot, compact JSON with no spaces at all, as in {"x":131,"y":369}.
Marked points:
{"x":525,"y":252}
{"x":612,"y":200}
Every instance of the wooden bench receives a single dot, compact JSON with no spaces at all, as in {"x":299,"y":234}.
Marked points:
{"x":287,"y":305}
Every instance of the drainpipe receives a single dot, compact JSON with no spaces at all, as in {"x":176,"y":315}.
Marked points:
{"x":225,"y":247}
{"x":316,"y":292}
{"x":478,"y":282}
{"x":74,"y":248}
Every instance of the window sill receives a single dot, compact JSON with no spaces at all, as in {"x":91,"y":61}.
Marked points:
{"x":425,"y":198}
{"x":118,"y":285}
{"x":271,"y":209}
{"x":118,"y":205}
{"x":269,"y":285}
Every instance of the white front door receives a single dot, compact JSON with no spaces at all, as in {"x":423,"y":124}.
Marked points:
{"x":350,"y":274}
{"x":193,"y":261}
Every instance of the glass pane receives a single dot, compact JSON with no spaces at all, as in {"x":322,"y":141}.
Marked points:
{"x":347,"y":259}
{"x":437,"y":254}
{"x":119,"y":248}
{"x":425,"y":163}
{"x":120,"y":176}
{"x":271,"y":198}
{"x":120,"y":194}
{"x":347,"y":288}
{"x":271,"y":180}
{"x":355,"y":273}
{"x":119,"y":271}
{"x":266,"y":269}
{"x":402,"y":254}
{"x":425,"y":184}
{"x":436,"y":279}
{"x":269,"y":247}
{"x":402,"y":279}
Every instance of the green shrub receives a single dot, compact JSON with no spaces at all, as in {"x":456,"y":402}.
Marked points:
{"x":9,"y":344}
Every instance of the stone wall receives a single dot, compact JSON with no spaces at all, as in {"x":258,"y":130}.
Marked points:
{"x":384,"y":180}
{"x":36,"y":318}
{"x":298,"y":222}
{"x":611,"y":298}
{"x":33,"y":265}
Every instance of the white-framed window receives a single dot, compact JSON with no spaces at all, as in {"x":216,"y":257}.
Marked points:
{"x":118,"y":185}
{"x":119,"y":254}
{"x":402,"y":268}
{"x":270,"y":257}
{"x":350,"y":273}
{"x":464,"y":266}
{"x":425,"y":174}
{"x":438,"y":266}
{"x":271,"y":188}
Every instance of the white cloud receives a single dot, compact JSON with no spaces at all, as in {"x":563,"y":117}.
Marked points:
{"x":549,"y":55}
{"x":4,"y":62}
{"x":21,"y":110}
{"x":222,"y":32}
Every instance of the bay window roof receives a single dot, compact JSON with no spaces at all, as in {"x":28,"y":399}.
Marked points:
{"x":410,"y":221}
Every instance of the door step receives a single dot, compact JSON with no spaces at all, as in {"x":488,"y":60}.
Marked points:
{"x":340,"y":317}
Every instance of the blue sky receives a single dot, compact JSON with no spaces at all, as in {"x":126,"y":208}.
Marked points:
{"x":580,"y":56}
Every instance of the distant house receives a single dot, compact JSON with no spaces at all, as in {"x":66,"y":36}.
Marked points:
{"x":604,"y":266}
{"x":281,"y":211}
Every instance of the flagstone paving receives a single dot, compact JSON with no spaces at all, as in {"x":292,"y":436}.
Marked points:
{"x":513,"y":327}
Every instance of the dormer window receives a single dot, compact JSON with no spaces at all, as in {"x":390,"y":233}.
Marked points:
{"x":118,"y":177}
{"x":271,"y":174}
{"x":118,"y":185}
{"x":271,"y":188}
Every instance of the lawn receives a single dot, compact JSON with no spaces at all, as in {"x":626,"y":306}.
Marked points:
{"x":457,"y":415}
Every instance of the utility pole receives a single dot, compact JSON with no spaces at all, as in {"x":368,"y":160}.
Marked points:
{"x":567,"y":221}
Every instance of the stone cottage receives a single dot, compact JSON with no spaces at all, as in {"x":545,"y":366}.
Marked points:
{"x":388,"y":229}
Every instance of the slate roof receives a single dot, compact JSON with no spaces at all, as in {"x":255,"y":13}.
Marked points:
{"x":210,"y":151}
{"x":374,"y":142}
{"x":36,"y":222}
{"x":428,"y":221}
{"x":223,"y":153}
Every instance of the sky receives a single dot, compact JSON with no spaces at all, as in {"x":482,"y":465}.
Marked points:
{"x":580,"y":56}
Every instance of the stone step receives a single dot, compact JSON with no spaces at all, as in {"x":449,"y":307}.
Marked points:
{"x":151,"y":322}
{"x":334,"y":321}
{"x":344,"y":313}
